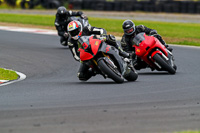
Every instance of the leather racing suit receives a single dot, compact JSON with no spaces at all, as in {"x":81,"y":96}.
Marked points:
{"x":126,"y":43}
{"x":61,"y":25}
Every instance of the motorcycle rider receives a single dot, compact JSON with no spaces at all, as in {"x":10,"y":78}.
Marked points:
{"x":130,"y":31}
{"x":63,"y":17}
{"x":76,"y":30}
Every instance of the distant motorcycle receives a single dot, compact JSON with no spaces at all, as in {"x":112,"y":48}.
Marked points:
{"x":150,"y":50}
{"x":84,"y":22}
{"x":105,"y":60}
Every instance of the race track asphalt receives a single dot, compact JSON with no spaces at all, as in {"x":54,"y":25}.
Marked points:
{"x":52,"y":99}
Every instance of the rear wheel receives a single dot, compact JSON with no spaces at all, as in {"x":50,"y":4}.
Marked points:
{"x":164,"y":64}
{"x":110,"y":71}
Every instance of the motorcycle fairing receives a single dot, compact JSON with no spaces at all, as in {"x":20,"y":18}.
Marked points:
{"x":90,"y":47}
{"x":147,"y":46}
{"x":144,"y":42}
{"x":112,"y":51}
{"x":84,"y":55}
{"x":95,"y":43}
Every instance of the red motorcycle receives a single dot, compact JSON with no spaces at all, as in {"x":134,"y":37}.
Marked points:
{"x":150,"y":50}
{"x":105,"y":60}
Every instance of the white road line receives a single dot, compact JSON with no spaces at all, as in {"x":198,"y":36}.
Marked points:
{"x":29,"y":30}
{"x":21,"y":77}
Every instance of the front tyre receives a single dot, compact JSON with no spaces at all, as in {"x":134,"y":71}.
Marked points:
{"x":157,"y":57}
{"x":111,"y":72}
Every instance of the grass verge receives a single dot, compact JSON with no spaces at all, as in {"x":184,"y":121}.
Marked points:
{"x":176,"y":33}
{"x":6,"y":74}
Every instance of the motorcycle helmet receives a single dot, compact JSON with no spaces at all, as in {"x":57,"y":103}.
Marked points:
{"x":128,"y":27}
{"x":62,"y":12}
{"x":75,"y":29}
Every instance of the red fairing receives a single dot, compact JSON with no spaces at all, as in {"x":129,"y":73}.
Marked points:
{"x":155,"y":52}
{"x":162,"y":47}
{"x":148,"y":42}
{"x":147,"y":46}
{"x":84,"y":55}
{"x":95,"y":43}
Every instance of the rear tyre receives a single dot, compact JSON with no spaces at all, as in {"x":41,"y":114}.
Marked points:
{"x":112,"y":73}
{"x":164,"y":64}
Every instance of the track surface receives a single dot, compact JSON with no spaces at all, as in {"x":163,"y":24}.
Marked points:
{"x":52,"y":99}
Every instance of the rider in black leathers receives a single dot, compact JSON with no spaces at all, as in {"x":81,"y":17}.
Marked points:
{"x":130,"y":30}
{"x":76,"y":30}
{"x":63,"y":17}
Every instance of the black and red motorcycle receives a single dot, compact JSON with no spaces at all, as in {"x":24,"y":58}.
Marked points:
{"x":104,"y":59}
{"x":150,"y":50}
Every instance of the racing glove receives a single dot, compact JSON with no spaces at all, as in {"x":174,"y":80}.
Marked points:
{"x":83,"y":16}
{"x":66,"y":35}
{"x":153,"y":32}
{"x":79,"y":13}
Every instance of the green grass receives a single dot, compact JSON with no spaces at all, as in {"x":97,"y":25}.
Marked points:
{"x":6,"y":74}
{"x":176,"y":33}
{"x":44,"y":20}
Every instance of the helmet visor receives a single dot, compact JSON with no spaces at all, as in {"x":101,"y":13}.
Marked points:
{"x":129,"y":31}
{"x":75,"y":32}
{"x":62,"y":16}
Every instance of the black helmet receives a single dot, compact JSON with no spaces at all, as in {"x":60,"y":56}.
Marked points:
{"x":62,"y":12}
{"x":128,"y":27}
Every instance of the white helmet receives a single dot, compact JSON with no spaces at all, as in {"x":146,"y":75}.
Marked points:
{"x":75,"y":29}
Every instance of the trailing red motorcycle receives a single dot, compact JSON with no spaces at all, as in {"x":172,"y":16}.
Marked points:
{"x":150,"y":50}
{"x":105,"y":60}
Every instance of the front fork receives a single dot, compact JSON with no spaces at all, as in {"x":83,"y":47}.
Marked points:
{"x":169,"y":59}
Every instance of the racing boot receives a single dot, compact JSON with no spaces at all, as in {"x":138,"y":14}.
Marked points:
{"x":110,"y":39}
{"x":63,"y":41}
{"x":166,"y":46}
{"x":124,"y":54}
{"x":169,"y":48}
{"x":85,"y":72}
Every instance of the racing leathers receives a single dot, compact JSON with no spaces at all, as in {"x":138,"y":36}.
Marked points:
{"x":127,"y":41}
{"x":62,"y":22}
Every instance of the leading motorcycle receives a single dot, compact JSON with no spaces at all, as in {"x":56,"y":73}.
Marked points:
{"x":150,"y":50}
{"x":104,"y":59}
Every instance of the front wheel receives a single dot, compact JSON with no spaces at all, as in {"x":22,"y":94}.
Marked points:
{"x":157,"y":57}
{"x":110,"y":71}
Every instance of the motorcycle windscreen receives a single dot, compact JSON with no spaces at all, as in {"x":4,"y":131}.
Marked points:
{"x":138,"y":39}
{"x":142,"y":38}
{"x":143,"y":43}
{"x":84,"y":55}
{"x":95,"y":43}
